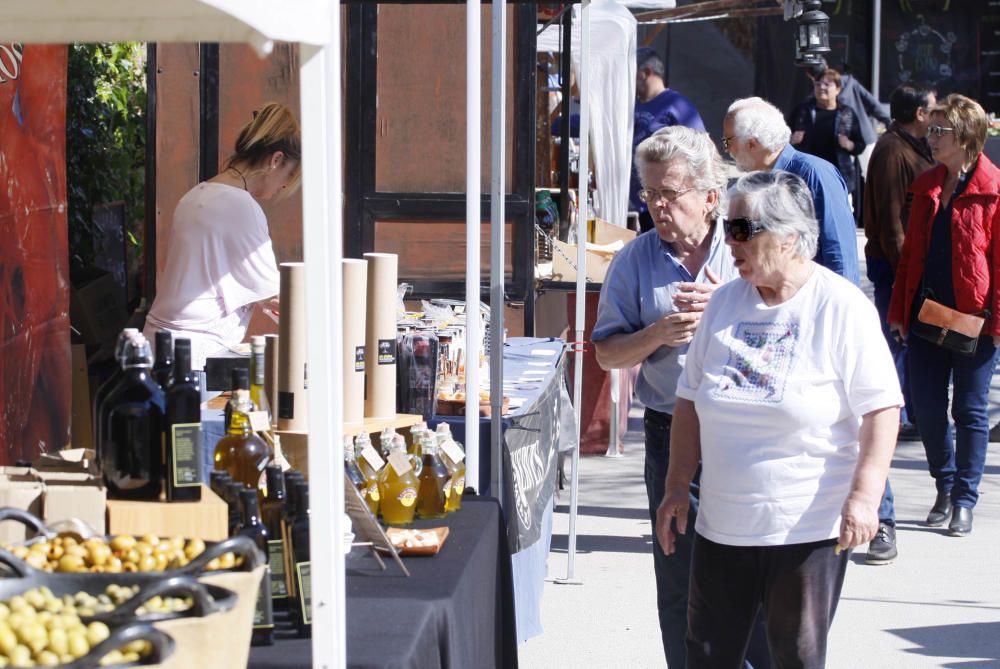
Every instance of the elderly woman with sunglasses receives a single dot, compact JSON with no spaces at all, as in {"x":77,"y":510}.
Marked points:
{"x":952,"y":255}
{"x":790,"y":403}
{"x":652,"y":300}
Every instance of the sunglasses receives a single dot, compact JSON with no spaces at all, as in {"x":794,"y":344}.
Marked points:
{"x":649,"y":195}
{"x":742,"y":229}
{"x":937,"y":130}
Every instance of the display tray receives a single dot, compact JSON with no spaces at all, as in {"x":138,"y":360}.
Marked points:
{"x":400,"y":536}
{"x":457,"y":407}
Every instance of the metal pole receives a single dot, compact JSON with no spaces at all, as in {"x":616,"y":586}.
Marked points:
{"x":322,"y":189}
{"x":473,"y":114}
{"x":581,"y":276}
{"x":498,"y":120}
{"x":876,"y":46}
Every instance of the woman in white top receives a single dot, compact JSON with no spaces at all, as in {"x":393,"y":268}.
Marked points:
{"x":220,"y":262}
{"x":790,"y":403}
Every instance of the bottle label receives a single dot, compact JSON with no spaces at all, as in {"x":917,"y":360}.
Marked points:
{"x":400,"y":462}
{"x":387,"y":351}
{"x":359,"y":358}
{"x":186,"y":454}
{"x":259,"y":421}
{"x":371,"y":456}
{"x":286,"y":405}
{"x":408,"y":497}
{"x":373,"y":492}
{"x":304,"y":580}
{"x":452,"y":450}
{"x":263,"y":613}
{"x":276,"y":562}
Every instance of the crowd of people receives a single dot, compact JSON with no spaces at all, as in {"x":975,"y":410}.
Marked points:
{"x":774,"y":389}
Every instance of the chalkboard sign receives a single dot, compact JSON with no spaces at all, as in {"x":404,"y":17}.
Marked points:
{"x":952,"y":45}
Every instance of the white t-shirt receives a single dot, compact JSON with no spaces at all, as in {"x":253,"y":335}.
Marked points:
{"x":219,"y":262}
{"x":780,"y":392}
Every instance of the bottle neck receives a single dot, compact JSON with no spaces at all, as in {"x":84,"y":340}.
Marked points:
{"x":182,"y":365}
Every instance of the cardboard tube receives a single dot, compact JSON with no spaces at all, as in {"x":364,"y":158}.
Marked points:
{"x":380,"y":369}
{"x":271,"y":366}
{"x":355,"y":360}
{"x":292,"y":372}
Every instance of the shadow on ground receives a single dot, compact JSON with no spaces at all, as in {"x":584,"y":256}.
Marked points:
{"x":595,"y":543}
{"x":979,"y":642}
{"x":606,"y":512}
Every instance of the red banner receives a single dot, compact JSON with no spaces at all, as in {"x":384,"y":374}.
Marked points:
{"x":35,"y":386}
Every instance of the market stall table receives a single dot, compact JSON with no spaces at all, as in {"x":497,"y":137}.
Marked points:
{"x":455,"y":610}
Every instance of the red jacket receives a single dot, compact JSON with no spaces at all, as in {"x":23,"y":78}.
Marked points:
{"x":975,"y":244}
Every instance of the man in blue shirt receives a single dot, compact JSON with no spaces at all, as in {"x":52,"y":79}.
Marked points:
{"x":656,"y":106}
{"x":757,"y":137}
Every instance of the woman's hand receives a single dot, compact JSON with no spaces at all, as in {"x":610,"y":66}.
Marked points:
{"x":674,"y":507}
{"x":858,"y":522}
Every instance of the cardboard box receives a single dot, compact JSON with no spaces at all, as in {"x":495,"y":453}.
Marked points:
{"x":207,"y":519}
{"x":564,"y":256}
{"x":74,"y":495}
{"x":21,"y":489}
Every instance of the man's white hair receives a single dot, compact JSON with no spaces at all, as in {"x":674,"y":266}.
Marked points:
{"x":757,"y":118}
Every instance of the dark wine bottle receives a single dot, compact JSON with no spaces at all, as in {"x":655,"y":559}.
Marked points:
{"x":232,"y":499}
{"x":183,"y":431}
{"x":274,"y":508}
{"x":105,"y":388}
{"x":131,"y":448}
{"x":163,"y":367}
{"x":252,"y":527}
{"x":302,"y":614}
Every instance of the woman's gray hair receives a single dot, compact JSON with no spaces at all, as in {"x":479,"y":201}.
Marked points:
{"x":705,"y":166}
{"x":757,"y":118}
{"x":782,"y":203}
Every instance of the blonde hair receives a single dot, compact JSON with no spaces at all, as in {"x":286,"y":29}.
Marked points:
{"x":272,"y":128}
{"x":969,"y":121}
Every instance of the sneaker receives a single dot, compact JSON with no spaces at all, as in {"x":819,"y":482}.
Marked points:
{"x":882,"y":549}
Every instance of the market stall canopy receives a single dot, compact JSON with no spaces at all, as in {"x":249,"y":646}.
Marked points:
{"x":256,"y":22}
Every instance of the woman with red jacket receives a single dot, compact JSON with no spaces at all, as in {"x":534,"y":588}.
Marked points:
{"x":952,"y":256}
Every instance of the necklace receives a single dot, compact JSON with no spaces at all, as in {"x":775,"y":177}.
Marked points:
{"x":240,"y":174}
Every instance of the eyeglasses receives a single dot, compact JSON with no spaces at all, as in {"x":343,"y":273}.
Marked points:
{"x":937,"y":130}
{"x":741,"y":229}
{"x":649,"y":195}
{"x":726,"y":141}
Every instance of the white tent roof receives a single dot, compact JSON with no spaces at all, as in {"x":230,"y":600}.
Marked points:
{"x":256,"y":22}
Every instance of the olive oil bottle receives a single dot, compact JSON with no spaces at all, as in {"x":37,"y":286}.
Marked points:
{"x":415,"y":432}
{"x":454,"y":459}
{"x":435,"y":480}
{"x":241,"y":452}
{"x":398,"y":485}
{"x":302,"y":613}
{"x":370,"y":464}
{"x":252,"y":527}
{"x":183,"y":428}
{"x":353,"y":473}
{"x":272,"y":514}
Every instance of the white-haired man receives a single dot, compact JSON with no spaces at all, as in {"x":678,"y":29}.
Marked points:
{"x":756,"y":136}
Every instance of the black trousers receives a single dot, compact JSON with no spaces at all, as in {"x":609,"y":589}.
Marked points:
{"x":796,"y":587}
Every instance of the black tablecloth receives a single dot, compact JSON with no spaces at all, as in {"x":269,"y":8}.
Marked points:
{"x":455,"y":610}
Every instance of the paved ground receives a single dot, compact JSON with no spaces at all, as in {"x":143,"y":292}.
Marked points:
{"x":938,"y":605}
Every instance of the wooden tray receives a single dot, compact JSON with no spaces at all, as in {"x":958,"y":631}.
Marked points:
{"x":457,"y":407}
{"x":396,"y":535}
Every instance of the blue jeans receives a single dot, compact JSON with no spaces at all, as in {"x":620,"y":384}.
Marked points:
{"x":882,"y":277}
{"x":673,"y":572}
{"x":956,"y":455}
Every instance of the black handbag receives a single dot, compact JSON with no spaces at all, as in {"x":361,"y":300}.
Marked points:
{"x":945,"y":326}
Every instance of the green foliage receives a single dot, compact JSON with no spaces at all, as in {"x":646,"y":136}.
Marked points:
{"x":105,"y":138}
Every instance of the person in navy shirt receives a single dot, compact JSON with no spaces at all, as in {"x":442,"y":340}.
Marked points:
{"x":656,"y":106}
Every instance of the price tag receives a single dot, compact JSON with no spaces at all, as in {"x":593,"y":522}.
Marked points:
{"x":451,"y":449}
{"x":400,"y":462}
{"x":372,"y":457}
{"x":259,"y":422}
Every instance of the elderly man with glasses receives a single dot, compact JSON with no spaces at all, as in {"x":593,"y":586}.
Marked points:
{"x":652,"y":300}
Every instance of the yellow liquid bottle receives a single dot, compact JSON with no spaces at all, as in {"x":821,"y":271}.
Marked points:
{"x":399,"y":490}
{"x":352,"y":471}
{"x":370,"y":470}
{"x":435,"y":480}
{"x":415,"y":433}
{"x":454,"y":459}
{"x":241,"y":452}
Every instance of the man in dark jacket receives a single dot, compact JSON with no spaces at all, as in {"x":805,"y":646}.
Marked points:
{"x":899,"y":157}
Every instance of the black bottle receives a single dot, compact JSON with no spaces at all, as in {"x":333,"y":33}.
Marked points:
{"x":105,"y":388}
{"x":302,"y":613}
{"x":183,"y":429}
{"x":131,"y":447}
{"x":219,"y":481}
{"x":273,"y":515}
{"x":252,"y":527}
{"x":232,"y":499}
{"x":164,"y":365}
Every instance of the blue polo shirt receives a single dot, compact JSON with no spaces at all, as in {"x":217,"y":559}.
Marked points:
{"x":639,"y":290}
{"x":838,"y":241}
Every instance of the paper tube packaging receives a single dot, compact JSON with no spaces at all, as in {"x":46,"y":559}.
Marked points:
{"x":292,"y":372}
{"x":355,"y":294}
{"x":380,"y":341}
